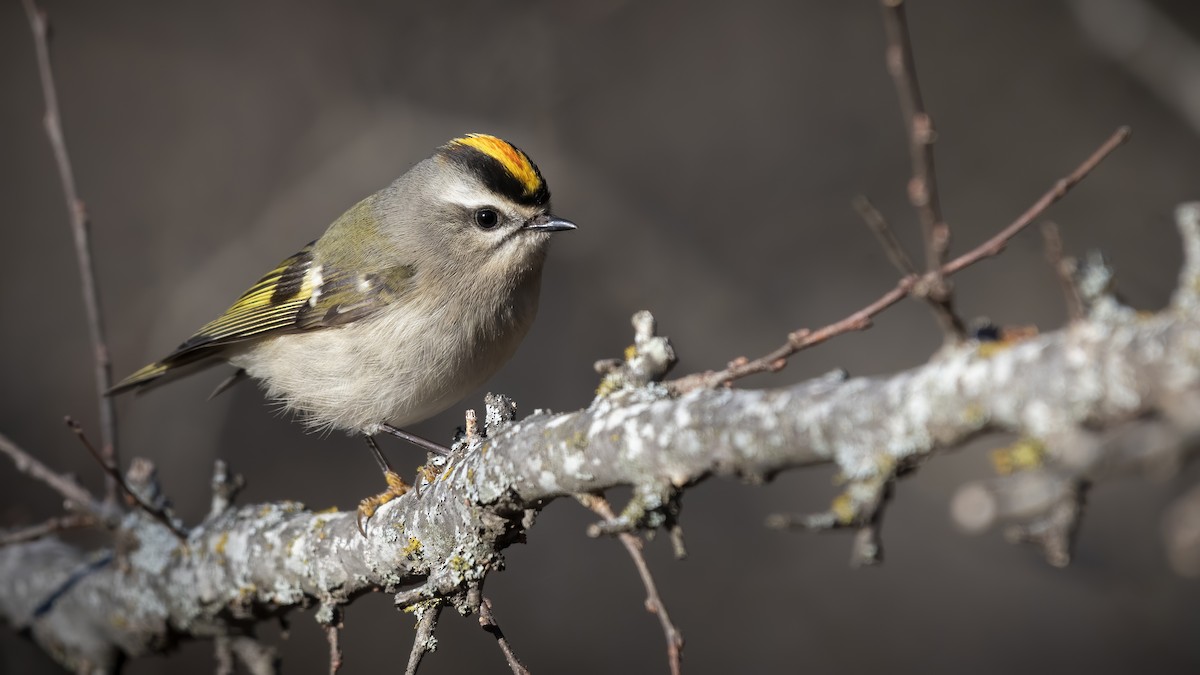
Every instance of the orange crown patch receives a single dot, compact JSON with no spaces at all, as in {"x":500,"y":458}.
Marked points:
{"x":515,"y":162}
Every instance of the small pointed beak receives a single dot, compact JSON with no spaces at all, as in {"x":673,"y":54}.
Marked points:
{"x":549,"y":223}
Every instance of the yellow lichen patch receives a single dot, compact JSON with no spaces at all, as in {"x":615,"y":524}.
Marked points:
{"x":607,"y":386}
{"x":885,"y":466}
{"x":1009,"y":336}
{"x":843,"y":509}
{"x":332,"y":509}
{"x":219,"y":547}
{"x":319,"y":529}
{"x":459,"y":564}
{"x":246,"y":594}
{"x":974,"y":414}
{"x":421,"y":606}
{"x":989,"y":349}
{"x":412,"y":547}
{"x":579,"y":440}
{"x":1027,"y":453}
{"x":630,"y":352}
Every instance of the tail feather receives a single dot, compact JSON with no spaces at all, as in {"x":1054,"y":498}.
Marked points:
{"x":161,"y":372}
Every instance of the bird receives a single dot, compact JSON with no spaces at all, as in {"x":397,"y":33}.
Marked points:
{"x":410,"y":300}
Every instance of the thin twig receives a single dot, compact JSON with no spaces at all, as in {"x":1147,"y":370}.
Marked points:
{"x":861,"y":320}
{"x":114,"y":474}
{"x":997,"y":243}
{"x":257,"y":657}
{"x":65,"y":485}
{"x":424,"y":642}
{"x":883,"y":232}
{"x":77,"y":212}
{"x":1063,"y":270}
{"x":223,"y":654}
{"x":922,"y":187}
{"x":654,"y":604}
{"x":488,"y":621}
{"x":333,"y":632}
{"x":70,"y":521}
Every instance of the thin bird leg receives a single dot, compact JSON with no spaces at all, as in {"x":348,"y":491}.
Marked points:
{"x":416,"y":440}
{"x":396,"y":488}
{"x":384,"y":465}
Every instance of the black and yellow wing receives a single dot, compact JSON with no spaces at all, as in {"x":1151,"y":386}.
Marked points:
{"x":299,"y":294}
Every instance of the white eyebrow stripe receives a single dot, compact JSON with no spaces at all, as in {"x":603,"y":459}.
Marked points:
{"x":469,"y":197}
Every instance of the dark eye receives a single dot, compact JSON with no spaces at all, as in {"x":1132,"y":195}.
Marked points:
{"x":487,"y":218}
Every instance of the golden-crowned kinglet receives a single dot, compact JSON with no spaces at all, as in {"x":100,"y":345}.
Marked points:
{"x":411,"y":299}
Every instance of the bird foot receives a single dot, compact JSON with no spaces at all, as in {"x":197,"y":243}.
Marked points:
{"x":367,"y":507}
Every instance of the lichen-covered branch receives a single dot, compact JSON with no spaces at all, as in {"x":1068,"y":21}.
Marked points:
{"x":1117,"y":388}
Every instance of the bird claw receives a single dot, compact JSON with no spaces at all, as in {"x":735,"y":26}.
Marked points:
{"x":367,"y":507}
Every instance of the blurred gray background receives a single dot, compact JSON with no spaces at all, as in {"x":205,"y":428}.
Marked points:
{"x":709,"y":153}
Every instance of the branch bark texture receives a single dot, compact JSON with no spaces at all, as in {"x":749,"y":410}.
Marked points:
{"x":1067,"y":389}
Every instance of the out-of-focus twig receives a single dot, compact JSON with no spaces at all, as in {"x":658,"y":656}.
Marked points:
{"x":114,"y":474}
{"x":922,"y":187}
{"x":1063,"y":268}
{"x":1155,"y":50}
{"x":997,"y":243}
{"x":883,"y":232}
{"x":861,"y":319}
{"x":70,"y":521}
{"x":77,"y":211}
{"x":333,"y":635}
{"x":63,"y":484}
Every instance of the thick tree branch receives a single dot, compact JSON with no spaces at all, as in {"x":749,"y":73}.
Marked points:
{"x":1073,"y":391}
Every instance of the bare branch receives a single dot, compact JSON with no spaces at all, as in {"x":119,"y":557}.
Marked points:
{"x":997,"y":243}
{"x":1064,"y":269}
{"x":1181,"y":533}
{"x":49,"y":527}
{"x":333,"y":630}
{"x":860,"y":507}
{"x":115,"y":475}
{"x":487,"y":620}
{"x":63,"y":484}
{"x":654,"y":604}
{"x":77,"y":212}
{"x":922,"y":187}
{"x":424,"y":642}
{"x":258,"y":658}
{"x":883,"y":232}
{"x":861,"y":320}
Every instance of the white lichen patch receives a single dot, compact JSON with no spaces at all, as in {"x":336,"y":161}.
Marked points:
{"x":572,"y":463}
{"x":683,"y":417}
{"x":633,"y":440}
